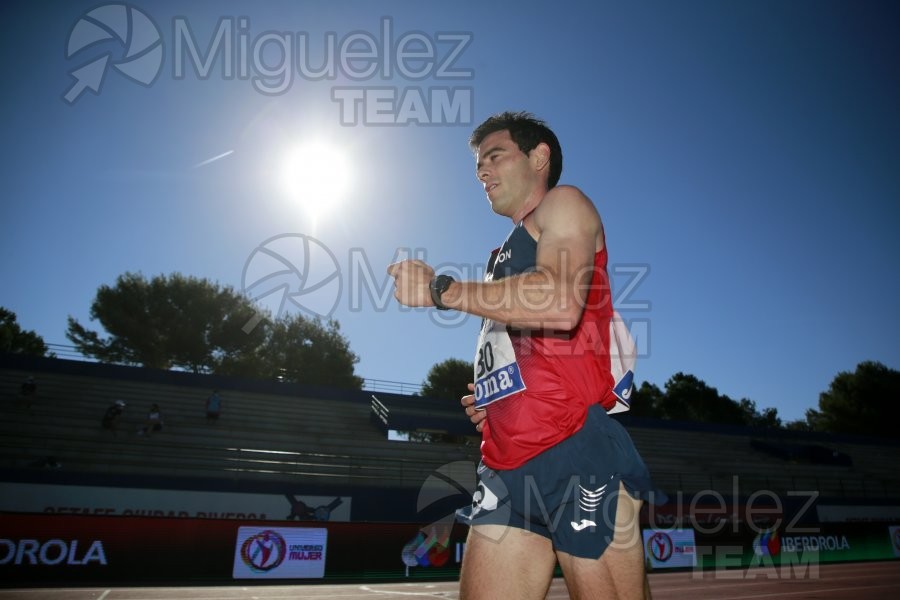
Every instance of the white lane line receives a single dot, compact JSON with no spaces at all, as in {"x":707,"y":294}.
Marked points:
{"x":366,"y":588}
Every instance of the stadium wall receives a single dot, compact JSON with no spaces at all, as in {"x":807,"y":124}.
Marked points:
{"x":58,"y":550}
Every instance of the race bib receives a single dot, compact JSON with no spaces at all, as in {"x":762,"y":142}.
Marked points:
{"x":497,"y":373}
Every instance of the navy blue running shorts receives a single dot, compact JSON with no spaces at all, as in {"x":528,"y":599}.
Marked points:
{"x":569,"y":492}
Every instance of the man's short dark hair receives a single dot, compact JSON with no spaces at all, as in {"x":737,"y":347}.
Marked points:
{"x":527,"y":131}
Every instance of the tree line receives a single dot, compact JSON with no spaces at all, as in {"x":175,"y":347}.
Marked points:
{"x":192,"y":324}
{"x":864,"y":401}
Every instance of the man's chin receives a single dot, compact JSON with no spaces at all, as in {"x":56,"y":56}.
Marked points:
{"x":497,"y":207}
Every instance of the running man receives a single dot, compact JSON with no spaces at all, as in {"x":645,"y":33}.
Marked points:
{"x":559,"y":479}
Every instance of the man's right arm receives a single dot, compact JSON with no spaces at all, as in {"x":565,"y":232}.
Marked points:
{"x":553,"y":295}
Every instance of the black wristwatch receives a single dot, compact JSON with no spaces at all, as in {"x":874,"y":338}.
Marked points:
{"x":438,"y":286}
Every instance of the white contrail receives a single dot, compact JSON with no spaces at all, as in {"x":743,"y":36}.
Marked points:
{"x":213,"y":159}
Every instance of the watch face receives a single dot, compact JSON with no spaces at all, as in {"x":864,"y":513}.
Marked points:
{"x":438,"y":286}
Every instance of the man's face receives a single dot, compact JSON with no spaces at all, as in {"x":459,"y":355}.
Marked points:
{"x":507,"y":173}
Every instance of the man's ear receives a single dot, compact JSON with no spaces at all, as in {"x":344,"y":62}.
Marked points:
{"x":540,"y":156}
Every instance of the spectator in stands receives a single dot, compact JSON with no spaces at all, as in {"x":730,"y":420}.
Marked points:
{"x":28,"y":391}
{"x":29,"y":387}
{"x":154,"y":421}
{"x":213,"y":406}
{"x":112,"y":416}
{"x":47,"y":462}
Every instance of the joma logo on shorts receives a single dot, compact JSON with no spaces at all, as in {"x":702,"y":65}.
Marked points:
{"x":584,"y":523}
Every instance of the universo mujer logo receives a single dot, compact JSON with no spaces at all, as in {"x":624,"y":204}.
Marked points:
{"x":271,"y":61}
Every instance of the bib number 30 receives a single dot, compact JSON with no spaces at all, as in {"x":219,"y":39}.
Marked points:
{"x":485,"y":361}
{"x":497,"y":374}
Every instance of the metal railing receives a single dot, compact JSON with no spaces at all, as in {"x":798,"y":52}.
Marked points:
{"x":69,"y":352}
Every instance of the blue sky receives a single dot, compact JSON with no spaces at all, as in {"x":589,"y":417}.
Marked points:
{"x":742,"y":155}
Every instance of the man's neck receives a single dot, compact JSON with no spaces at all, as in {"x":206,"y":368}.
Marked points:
{"x":531,"y":202}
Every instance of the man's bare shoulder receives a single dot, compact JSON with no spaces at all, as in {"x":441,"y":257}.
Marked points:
{"x":566,"y":200}
{"x":568,"y":214}
{"x":567,"y":191}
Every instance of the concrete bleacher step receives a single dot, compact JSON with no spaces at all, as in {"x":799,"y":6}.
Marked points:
{"x":275,"y":437}
{"x":677,"y":456}
{"x":257,"y":437}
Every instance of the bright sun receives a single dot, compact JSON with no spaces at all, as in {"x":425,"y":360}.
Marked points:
{"x":316,"y":175}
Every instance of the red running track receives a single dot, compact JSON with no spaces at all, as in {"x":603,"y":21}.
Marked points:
{"x":856,"y":581}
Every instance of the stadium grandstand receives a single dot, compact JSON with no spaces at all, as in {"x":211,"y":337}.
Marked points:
{"x":365,"y":463}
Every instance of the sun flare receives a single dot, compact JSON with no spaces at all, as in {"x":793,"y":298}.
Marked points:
{"x":316,"y":175}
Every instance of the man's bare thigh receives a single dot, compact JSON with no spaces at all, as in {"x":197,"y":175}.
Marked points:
{"x":505,"y":562}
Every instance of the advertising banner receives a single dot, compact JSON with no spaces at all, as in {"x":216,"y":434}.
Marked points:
{"x":74,"y":549}
{"x":670,"y":548}
{"x":280,"y":553}
{"x":795,"y":549}
{"x":894,"y":534}
{"x":840,"y":513}
{"x":192,"y":504}
{"x":706,"y":512}
{"x":52,"y":549}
